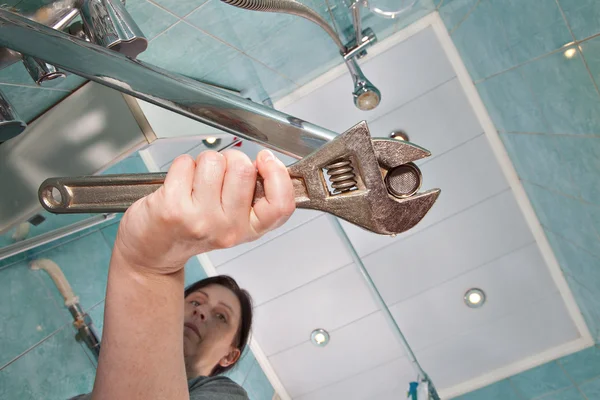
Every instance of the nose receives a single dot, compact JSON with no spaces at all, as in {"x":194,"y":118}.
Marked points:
{"x":198,"y":313}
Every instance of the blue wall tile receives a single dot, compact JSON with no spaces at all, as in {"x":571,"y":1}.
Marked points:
{"x":582,"y":366}
{"x":257,"y":385}
{"x":85,"y":265}
{"x":193,"y":271}
{"x":498,"y":391}
{"x":30,"y":102}
{"x":240,"y":372}
{"x":537,"y":159}
{"x":532,"y":28}
{"x":581,"y":271}
{"x":567,"y":394}
{"x":541,"y":380}
{"x":180,"y":7}
{"x":582,"y":158}
{"x":243,"y":29}
{"x":276,"y":53}
{"x":565,"y":92}
{"x":151,"y":19}
{"x":564,"y":216}
{"x":511,"y":104}
{"x":28,"y":311}
{"x":591,"y":389}
{"x":454,"y":11}
{"x":481,"y":41}
{"x":591,"y":53}
{"x":582,"y":16}
{"x":186,"y":50}
{"x":97,"y":315}
{"x":110,"y":234}
{"x":57,"y":369}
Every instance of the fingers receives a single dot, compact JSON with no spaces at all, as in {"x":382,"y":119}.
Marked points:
{"x":279,"y":203}
{"x":238,"y":185}
{"x":208,"y":179}
{"x":178,"y":183}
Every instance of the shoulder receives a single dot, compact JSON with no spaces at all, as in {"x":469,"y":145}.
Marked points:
{"x":216,"y":388}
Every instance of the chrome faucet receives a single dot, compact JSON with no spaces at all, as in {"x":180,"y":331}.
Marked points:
{"x":196,"y":100}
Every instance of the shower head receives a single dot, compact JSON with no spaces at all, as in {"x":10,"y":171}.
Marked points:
{"x":366,"y":95}
{"x":10,"y":123}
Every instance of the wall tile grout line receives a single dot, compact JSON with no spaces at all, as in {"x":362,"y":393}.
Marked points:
{"x":514,"y":388}
{"x":570,"y":379}
{"x":558,"y":50}
{"x":578,"y":47}
{"x":242,"y":52}
{"x":571,"y":242}
{"x":467,"y":15}
{"x":559,"y":192}
{"x":34,"y":346}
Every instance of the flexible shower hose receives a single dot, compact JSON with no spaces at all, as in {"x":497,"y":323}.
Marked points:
{"x":289,"y":7}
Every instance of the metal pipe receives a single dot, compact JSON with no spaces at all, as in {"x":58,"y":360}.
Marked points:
{"x":382,"y":305}
{"x":58,"y":15}
{"x":31,"y":243}
{"x":201,"y":102}
{"x":357,"y":23}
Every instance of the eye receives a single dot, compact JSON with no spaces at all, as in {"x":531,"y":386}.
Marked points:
{"x":222,"y":317}
{"x":194,"y":303}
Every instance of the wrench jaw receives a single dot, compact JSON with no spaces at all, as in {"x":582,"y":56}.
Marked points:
{"x":368,"y":204}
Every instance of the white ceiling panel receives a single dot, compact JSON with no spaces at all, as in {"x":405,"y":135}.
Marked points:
{"x":420,"y":57}
{"x":507,"y":282}
{"x":385,"y":380}
{"x":289,"y":261}
{"x":534,"y":329}
{"x":330,"y":302}
{"x":220,"y":257}
{"x":439,"y":120}
{"x":456,"y":245}
{"x":353,"y":349}
{"x":462,"y":187}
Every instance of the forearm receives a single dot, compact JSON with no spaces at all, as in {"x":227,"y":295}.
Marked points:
{"x":142,"y":342}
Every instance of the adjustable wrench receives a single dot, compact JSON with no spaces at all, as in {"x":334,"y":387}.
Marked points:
{"x":369,"y":182}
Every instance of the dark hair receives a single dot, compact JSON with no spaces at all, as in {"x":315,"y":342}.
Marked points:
{"x":243,"y":333}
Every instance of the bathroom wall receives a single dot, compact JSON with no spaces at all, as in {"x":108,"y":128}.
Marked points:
{"x":39,"y":357}
{"x":537,"y":69}
{"x":264,"y":55}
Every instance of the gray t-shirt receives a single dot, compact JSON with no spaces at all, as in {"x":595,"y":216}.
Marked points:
{"x":205,"y":388}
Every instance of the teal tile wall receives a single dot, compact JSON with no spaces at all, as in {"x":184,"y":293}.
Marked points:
{"x":39,"y":356}
{"x":262,"y":55}
{"x":574,"y":377}
{"x":536,"y":65}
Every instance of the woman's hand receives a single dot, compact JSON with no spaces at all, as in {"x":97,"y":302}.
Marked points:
{"x":204,"y":205}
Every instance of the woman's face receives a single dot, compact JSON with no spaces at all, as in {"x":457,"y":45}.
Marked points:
{"x":211,"y":319}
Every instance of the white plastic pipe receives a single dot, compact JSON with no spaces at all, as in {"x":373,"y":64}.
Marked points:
{"x":59,"y":279}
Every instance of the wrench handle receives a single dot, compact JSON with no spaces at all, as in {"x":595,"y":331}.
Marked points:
{"x":114,"y":193}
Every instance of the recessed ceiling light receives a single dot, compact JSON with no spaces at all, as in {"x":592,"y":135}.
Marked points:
{"x":320,"y":337}
{"x":211,"y":141}
{"x":474,"y":298}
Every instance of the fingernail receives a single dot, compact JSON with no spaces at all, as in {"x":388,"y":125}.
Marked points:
{"x":268,"y":155}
